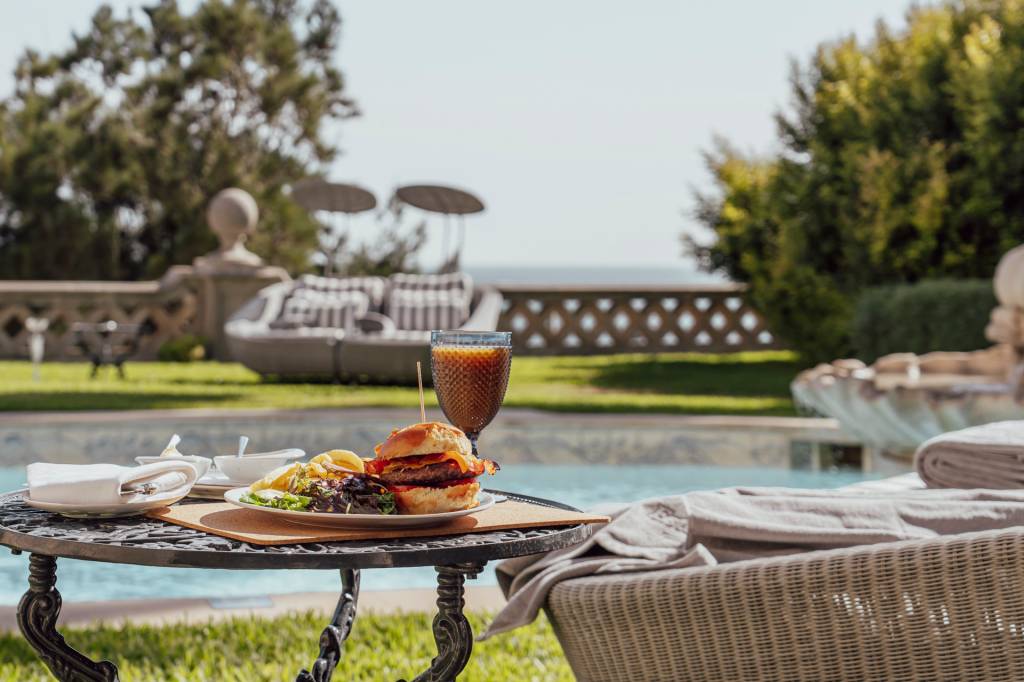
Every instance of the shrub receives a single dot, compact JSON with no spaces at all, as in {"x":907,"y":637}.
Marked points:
{"x":920,"y":318}
{"x":899,"y":161}
{"x":187,"y":348}
{"x":112,"y":146}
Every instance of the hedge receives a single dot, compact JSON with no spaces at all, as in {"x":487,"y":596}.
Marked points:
{"x":931,"y":315}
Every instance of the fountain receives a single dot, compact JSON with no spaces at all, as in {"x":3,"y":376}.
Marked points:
{"x":903,"y":399}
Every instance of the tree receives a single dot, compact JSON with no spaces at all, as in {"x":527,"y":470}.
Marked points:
{"x":902,"y":159}
{"x":111,"y":150}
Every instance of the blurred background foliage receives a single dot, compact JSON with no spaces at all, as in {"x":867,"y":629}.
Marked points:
{"x":110,"y":151}
{"x":901,"y":159}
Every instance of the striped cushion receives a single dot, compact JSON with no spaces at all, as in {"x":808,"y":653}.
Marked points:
{"x":428,"y":309}
{"x":373,"y":287}
{"x":306,"y":308}
{"x":455,"y":281}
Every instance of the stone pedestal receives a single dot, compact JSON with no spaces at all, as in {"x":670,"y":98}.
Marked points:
{"x":220,"y":294}
{"x":231,"y":275}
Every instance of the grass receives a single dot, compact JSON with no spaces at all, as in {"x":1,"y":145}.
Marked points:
{"x":680,"y":383}
{"x":251,"y":650}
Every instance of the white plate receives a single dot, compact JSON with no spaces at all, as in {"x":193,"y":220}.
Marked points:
{"x":217,"y":478}
{"x":106,"y":511}
{"x":378,"y":521}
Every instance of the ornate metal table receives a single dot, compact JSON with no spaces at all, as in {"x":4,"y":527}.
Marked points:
{"x":140,"y":540}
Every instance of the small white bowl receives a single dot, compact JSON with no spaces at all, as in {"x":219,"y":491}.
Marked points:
{"x":251,"y":468}
{"x":201,"y":464}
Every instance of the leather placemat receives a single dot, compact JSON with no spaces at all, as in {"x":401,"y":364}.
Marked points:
{"x":247,"y":525}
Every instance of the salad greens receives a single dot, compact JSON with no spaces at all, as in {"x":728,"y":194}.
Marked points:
{"x":284,"y":501}
{"x":352,"y":494}
{"x":355,"y":494}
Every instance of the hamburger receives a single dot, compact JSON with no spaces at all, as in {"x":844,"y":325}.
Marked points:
{"x":430,"y":468}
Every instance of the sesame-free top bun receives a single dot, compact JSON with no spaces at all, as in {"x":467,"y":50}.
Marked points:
{"x":424,"y":500}
{"x":424,"y":439}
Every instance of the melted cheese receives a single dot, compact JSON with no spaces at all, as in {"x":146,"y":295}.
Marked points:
{"x":461,"y":460}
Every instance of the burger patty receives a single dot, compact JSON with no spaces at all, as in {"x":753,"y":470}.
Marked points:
{"x":428,"y":475}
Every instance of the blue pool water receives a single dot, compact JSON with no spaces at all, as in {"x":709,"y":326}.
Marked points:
{"x":580,"y":486}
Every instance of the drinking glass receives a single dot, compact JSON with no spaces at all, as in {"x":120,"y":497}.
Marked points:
{"x":470,"y":372}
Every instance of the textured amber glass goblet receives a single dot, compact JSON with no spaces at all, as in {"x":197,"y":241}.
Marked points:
{"x":470,"y":371}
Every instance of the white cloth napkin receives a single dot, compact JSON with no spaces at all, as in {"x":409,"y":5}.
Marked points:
{"x":110,"y":484}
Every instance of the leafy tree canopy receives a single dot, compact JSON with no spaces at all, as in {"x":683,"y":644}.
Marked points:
{"x":111,"y":150}
{"x":901,"y":159}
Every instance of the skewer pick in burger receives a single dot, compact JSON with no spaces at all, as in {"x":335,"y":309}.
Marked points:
{"x":430,"y":468}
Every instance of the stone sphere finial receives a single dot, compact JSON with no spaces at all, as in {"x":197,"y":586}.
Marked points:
{"x":1009,"y":279}
{"x":1006,"y":323}
{"x":232,"y":216}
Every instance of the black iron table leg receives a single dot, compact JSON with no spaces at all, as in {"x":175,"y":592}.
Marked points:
{"x":37,"y":618}
{"x":452,"y":633}
{"x":335,"y":634}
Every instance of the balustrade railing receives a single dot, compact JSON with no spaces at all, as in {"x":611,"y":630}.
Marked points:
{"x":164,"y":309}
{"x":545,"y":319}
{"x":563,"y":320}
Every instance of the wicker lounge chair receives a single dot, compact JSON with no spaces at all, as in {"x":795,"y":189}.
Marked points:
{"x":951,"y":608}
{"x":377,"y":345}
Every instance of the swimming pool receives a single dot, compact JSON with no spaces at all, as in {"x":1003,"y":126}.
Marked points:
{"x":579,"y":485}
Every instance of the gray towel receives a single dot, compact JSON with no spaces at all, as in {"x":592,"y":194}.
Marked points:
{"x":706,"y":528}
{"x":987,"y":456}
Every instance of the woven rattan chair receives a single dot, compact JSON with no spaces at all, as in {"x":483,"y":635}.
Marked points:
{"x":951,"y":608}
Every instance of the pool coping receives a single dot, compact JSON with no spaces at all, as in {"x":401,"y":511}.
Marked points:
{"x":809,"y":428}
{"x":204,"y":610}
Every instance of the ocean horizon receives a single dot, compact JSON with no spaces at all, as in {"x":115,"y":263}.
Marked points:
{"x":591,"y":274}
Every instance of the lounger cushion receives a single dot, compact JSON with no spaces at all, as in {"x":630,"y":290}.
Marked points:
{"x":373,"y":287}
{"x":455,"y":281}
{"x":428,"y":309}
{"x":306,"y":308}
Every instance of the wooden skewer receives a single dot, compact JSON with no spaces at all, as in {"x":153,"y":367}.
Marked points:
{"x":419,"y":380}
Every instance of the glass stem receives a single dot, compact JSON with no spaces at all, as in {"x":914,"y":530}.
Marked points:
{"x":473,"y":435}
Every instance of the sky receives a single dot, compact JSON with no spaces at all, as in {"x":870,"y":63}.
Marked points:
{"x":580,"y":123}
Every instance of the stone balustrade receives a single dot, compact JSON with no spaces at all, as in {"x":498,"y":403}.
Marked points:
{"x":544,"y":319}
{"x":164,"y":309}
{"x":187,"y":300}
{"x":564,"y":320}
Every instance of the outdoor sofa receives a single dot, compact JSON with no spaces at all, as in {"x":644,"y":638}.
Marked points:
{"x":943,"y":609}
{"x":371,"y":329}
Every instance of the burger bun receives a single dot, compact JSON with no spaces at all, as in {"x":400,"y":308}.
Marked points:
{"x":426,"y":500}
{"x":424,"y":439}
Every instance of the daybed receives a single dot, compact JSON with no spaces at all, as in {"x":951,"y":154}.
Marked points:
{"x":356,"y":328}
{"x":948,"y":609}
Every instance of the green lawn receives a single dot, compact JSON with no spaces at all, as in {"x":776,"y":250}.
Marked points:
{"x":742,"y":383}
{"x":253,"y":650}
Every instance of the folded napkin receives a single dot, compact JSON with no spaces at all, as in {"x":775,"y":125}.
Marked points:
{"x":710,"y":527}
{"x":98,"y":484}
{"x":988,"y":456}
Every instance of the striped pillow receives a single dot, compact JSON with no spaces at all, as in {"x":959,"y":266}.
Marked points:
{"x":373,"y":287}
{"x":428,"y":309}
{"x":454,"y":281}
{"x":307,"y":308}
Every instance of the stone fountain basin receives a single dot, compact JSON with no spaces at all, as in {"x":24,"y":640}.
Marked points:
{"x":903,"y":400}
